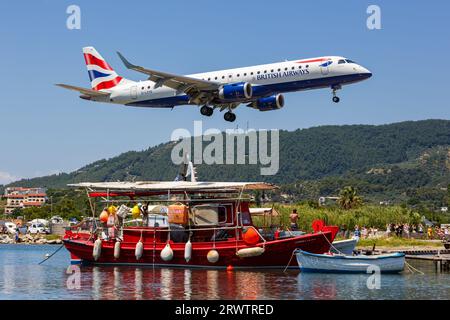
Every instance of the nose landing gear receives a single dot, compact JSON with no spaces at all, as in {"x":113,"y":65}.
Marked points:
{"x":336,"y":99}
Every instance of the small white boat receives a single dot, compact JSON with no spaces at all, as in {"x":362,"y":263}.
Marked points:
{"x":344,"y":246}
{"x":338,"y":263}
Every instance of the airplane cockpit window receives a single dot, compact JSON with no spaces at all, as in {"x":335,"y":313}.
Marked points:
{"x":350,"y":61}
{"x":341,"y":61}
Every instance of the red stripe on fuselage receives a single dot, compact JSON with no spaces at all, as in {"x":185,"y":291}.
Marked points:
{"x":108,"y":84}
{"x":312,"y":60}
{"x":90,"y":59}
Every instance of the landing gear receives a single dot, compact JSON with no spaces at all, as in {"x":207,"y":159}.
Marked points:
{"x":336,"y":99}
{"x":229,"y":116}
{"x":206,"y":111}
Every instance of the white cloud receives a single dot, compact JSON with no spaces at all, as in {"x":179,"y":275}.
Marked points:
{"x":6,"y":178}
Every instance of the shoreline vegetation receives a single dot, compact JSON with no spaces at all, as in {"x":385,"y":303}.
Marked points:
{"x":368,"y":215}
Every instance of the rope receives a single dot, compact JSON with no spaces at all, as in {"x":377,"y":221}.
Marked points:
{"x":292,"y":255}
{"x":46,"y":258}
{"x":414,"y":269}
{"x":331,"y":245}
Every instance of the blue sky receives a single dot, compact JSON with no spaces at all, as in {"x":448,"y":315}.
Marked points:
{"x":46,"y":129}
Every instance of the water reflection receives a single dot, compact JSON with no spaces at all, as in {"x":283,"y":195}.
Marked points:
{"x":147,"y":283}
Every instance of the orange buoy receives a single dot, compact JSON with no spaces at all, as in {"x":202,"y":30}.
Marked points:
{"x":250,"y":236}
{"x":104,"y":216}
{"x":230,"y":268}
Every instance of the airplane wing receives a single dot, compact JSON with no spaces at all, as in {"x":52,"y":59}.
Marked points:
{"x":88,"y":92}
{"x":180,"y":83}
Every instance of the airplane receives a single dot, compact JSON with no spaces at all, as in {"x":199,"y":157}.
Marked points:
{"x":259,"y":87}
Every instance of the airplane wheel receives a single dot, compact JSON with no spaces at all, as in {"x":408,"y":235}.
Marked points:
{"x":229,"y":116}
{"x":206,"y":111}
{"x":336,"y":99}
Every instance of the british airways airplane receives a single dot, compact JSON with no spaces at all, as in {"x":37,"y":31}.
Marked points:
{"x":259,"y":87}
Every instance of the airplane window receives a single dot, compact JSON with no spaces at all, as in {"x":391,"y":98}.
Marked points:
{"x":293,"y":68}
{"x":209,"y":79}
{"x":142,"y":88}
{"x":299,"y":67}
{"x":349,"y":61}
{"x":265,"y":71}
{"x":215,"y":78}
{"x":258,"y":72}
{"x":271,"y":70}
{"x":149,"y":87}
{"x":279,"y":69}
{"x":285,"y":69}
{"x":307,"y":65}
{"x":229,"y":76}
{"x":245,"y":74}
{"x":223,"y":77}
{"x":251,"y":73}
{"x":341,"y":61}
{"x":238,"y":74}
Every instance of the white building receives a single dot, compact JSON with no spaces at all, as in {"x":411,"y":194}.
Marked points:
{"x":19,"y":197}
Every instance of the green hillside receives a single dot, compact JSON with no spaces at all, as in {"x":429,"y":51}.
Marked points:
{"x":385,"y":162}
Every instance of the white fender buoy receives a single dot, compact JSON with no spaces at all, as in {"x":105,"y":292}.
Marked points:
{"x":188,"y":251}
{"x":250,"y":252}
{"x":97,"y":249}
{"x":117,"y":250}
{"x":139,"y":250}
{"x":213,"y":256}
{"x":167,"y":253}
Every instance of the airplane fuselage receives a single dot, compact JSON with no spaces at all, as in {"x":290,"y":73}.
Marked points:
{"x":266,"y":80}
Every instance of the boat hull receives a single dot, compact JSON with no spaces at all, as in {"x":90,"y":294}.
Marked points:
{"x":388,"y":263}
{"x":277,"y":253}
{"x":344,"y":246}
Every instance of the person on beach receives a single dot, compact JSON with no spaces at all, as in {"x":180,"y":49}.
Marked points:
{"x":364,"y":232}
{"x":356,"y":233}
{"x":16,"y":238}
{"x":429,"y":232}
{"x":293,"y":217}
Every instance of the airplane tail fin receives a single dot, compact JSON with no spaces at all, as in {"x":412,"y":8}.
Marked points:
{"x":100,"y":72}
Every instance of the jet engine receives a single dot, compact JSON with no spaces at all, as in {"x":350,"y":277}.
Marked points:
{"x":274,"y":102}
{"x":240,"y":90}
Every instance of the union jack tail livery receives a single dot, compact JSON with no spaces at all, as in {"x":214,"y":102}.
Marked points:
{"x":100,"y":72}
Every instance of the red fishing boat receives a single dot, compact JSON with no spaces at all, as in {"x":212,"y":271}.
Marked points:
{"x":185,"y":224}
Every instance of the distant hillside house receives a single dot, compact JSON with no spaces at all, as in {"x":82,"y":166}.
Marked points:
{"x":19,"y":197}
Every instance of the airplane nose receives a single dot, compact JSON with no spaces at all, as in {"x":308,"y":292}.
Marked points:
{"x":365,"y":72}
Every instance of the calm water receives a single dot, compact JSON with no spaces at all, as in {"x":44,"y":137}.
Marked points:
{"x":22,"y":278}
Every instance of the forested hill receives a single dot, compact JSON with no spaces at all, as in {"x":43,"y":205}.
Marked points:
{"x":305,"y":154}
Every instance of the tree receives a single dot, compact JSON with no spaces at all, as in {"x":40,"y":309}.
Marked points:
{"x":348,"y":198}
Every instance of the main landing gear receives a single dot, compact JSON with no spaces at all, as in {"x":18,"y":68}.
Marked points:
{"x":206,"y":111}
{"x":229,"y":116}
{"x":335,"y":97}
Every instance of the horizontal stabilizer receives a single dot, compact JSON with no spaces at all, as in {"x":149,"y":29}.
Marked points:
{"x":88,"y":92}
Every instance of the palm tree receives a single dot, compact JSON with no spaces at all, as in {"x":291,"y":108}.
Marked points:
{"x":348,"y":198}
